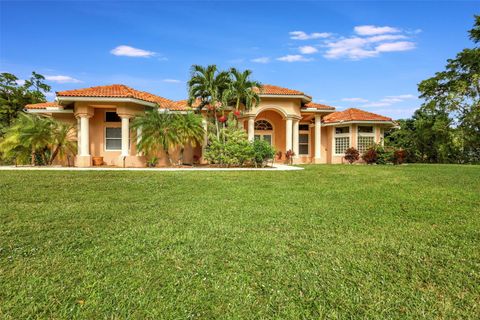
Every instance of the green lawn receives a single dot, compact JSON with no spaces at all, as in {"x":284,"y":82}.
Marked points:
{"x":326,"y":242}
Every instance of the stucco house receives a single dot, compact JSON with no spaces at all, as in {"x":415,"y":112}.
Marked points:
{"x":286,"y":118}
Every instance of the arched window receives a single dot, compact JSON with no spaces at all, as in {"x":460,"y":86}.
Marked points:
{"x":263,"y":125}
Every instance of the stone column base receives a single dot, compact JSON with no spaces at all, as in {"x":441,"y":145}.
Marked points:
{"x":83,"y":161}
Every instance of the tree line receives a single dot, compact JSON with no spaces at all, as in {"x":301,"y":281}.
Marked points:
{"x":446,"y":128}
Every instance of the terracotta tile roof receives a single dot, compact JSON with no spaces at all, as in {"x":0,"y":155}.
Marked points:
{"x":116,"y":91}
{"x":354,"y":114}
{"x":270,"y":89}
{"x":179,"y":105}
{"x":43,"y":105}
{"x":318,"y":106}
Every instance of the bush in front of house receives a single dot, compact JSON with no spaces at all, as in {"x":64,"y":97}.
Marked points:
{"x":352,"y":155}
{"x":399,"y":156}
{"x":262,"y":152}
{"x":370,"y":156}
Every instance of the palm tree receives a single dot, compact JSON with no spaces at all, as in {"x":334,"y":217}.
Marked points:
{"x":207,"y":85}
{"x":159,"y":132}
{"x":189,"y":129}
{"x":34,"y":131}
{"x":243,"y":90}
{"x":62,"y":142}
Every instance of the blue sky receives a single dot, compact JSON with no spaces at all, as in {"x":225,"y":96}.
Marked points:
{"x":369,"y":55}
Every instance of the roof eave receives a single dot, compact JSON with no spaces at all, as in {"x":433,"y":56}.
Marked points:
{"x":105,"y":99}
{"x":304,"y":97}
{"x":387,"y":122}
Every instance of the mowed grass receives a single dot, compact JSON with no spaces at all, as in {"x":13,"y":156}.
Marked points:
{"x":327,"y":242}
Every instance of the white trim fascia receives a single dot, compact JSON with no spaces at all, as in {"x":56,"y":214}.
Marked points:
{"x":315,"y":110}
{"x":48,"y":111}
{"x":353,"y":122}
{"x":293,"y":96}
{"x":105,"y":99}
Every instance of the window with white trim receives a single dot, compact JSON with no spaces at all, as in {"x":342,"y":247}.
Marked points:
{"x":365,"y":138}
{"x":263,"y":131}
{"x":113,"y":139}
{"x":341,"y":139}
{"x":303,"y":139}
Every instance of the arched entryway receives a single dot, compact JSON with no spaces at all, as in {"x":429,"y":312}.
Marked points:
{"x":270,"y":125}
{"x":264,"y":130}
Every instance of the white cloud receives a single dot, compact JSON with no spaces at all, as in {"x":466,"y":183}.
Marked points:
{"x":301,"y":35}
{"x":389,"y":100}
{"x":131,"y":52}
{"x":370,"y":30}
{"x":172,"y":81}
{"x":403,"y":96}
{"x":395,"y":46}
{"x":294,"y":58}
{"x":261,"y":60}
{"x":386,"y":37}
{"x":62,"y":79}
{"x":20,"y":82}
{"x":307,"y":50}
{"x":354,"y":48}
{"x":354,"y":100}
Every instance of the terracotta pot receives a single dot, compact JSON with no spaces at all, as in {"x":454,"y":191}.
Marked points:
{"x":97,"y":161}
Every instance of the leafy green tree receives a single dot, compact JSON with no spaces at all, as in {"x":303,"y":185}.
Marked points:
{"x":456,"y":91}
{"x":14,"y":96}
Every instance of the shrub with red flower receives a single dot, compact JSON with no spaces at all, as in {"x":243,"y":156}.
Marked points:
{"x":352,"y":155}
{"x":399,"y":156}
{"x":370,"y":156}
{"x":237,"y":113}
{"x":222,"y":119}
{"x":210,"y":107}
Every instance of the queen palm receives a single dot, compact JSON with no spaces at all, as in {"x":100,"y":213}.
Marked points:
{"x":189,"y":129}
{"x":207,"y":85}
{"x":34,"y":132}
{"x":243,"y":90}
{"x":62,"y":142}
{"x":159,"y":132}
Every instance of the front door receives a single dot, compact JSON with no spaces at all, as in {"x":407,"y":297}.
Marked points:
{"x":264,"y":136}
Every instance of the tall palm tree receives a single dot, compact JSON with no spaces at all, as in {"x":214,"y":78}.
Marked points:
{"x":189,"y":129}
{"x":243,"y":90}
{"x":159,"y":132}
{"x":207,"y":85}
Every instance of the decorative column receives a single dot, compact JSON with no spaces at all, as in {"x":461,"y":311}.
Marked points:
{"x":125,"y":135}
{"x":83,"y":158}
{"x":79,"y":146}
{"x":318,"y":138}
{"x":295,"y":137}
{"x":84,"y":135}
{"x":251,"y":128}
{"x":288,"y":137}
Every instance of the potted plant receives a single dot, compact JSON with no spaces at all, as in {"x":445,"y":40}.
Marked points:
{"x":97,"y":161}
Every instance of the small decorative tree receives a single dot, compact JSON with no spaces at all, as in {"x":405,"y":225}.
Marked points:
{"x":370,"y":156}
{"x":352,"y":155}
{"x":399,"y":156}
{"x":289,"y":156}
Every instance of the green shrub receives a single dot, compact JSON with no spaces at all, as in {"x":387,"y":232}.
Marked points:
{"x":262,"y":152}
